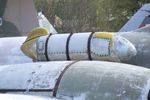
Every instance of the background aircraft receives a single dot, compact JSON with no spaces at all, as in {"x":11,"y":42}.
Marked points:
{"x":12,"y":47}
{"x":140,"y":19}
{"x":18,"y":17}
{"x":141,"y":39}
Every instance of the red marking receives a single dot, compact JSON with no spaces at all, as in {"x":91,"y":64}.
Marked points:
{"x":142,"y":25}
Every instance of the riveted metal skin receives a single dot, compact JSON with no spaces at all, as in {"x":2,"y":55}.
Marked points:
{"x":85,"y":46}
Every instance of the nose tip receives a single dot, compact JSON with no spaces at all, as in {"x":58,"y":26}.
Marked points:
{"x":132,"y":51}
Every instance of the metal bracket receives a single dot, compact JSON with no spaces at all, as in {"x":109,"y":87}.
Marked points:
{"x":1,"y":21}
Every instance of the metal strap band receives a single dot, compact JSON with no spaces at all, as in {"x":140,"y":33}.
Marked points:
{"x":46,"y":48}
{"x":60,"y":77}
{"x":67,"y":46}
{"x":89,"y":46}
{"x":24,"y":90}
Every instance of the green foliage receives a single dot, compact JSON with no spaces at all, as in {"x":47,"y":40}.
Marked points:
{"x":88,"y":15}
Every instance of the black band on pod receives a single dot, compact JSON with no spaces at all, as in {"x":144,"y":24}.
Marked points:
{"x":89,"y":46}
{"x":67,"y":46}
{"x":46,"y":47}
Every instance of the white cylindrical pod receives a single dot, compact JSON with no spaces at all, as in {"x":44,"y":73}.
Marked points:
{"x":63,"y":47}
{"x":86,"y":80}
{"x":78,"y":46}
{"x":84,"y":46}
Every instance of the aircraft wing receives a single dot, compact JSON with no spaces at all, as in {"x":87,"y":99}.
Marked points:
{"x":140,"y":19}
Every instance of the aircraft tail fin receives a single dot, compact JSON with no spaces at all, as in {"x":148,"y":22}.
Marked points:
{"x":139,"y":20}
{"x":43,"y":22}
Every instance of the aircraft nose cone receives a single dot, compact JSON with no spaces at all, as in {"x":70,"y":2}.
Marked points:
{"x":125,"y":49}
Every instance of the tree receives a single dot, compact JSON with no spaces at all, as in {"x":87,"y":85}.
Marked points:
{"x":88,"y":15}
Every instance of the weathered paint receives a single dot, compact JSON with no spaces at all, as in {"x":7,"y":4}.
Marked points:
{"x":86,"y":80}
{"x":141,"y":41}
